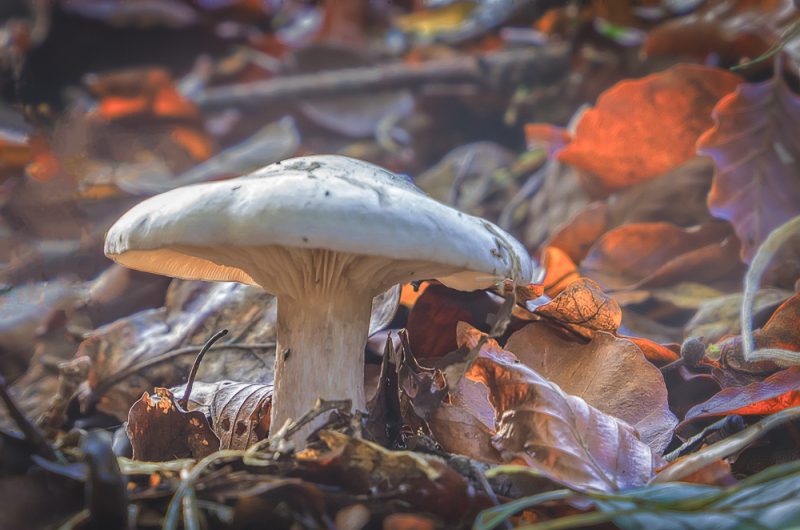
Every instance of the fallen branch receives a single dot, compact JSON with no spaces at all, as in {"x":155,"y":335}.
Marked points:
{"x":496,"y":70}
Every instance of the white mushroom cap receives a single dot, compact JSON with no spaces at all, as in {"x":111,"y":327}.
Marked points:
{"x":313,"y":202}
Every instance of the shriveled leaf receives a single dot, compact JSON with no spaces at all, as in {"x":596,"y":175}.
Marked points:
{"x":757,"y":183}
{"x":642,"y":128}
{"x":609,"y":373}
{"x":159,"y":430}
{"x":777,"y":392}
{"x":659,"y":254}
{"x":239,"y":412}
{"x":583,"y":308}
{"x":565,"y":439}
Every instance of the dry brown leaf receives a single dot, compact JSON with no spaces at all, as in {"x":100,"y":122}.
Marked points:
{"x":584,"y":309}
{"x":462,"y":433}
{"x":609,"y":373}
{"x":659,"y":254}
{"x":563,"y":437}
{"x":239,"y":412}
{"x":159,"y":430}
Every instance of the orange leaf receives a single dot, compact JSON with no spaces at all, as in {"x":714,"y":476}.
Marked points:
{"x":658,"y":254}
{"x":550,"y":137}
{"x":642,"y":128}
{"x":114,"y":108}
{"x":655,"y":353}
{"x":198,"y":144}
{"x":561,"y":271}
{"x":773,"y":394}
{"x":584,"y":308}
{"x":409,"y":294}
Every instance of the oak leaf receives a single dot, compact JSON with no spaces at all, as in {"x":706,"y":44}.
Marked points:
{"x":754,"y":146}
{"x":642,"y":128}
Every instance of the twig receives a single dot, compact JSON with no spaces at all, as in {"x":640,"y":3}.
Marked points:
{"x":498,"y":69}
{"x":184,"y":401}
{"x":32,"y":434}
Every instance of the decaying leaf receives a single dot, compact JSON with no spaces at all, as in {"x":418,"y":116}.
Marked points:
{"x":642,"y":128}
{"x":239,"y":412}
{"x":609,"y":373}
{"x":583,"y":308}
{"x":730,"y":29}
{"x":462,"y":433}
{"x":658,"y":254}
{"x":777,"y":392}
{"x":160,"y":430}
{"x":432,"y":485}
{"x":564,"y":438}
{"x":757,"y":183}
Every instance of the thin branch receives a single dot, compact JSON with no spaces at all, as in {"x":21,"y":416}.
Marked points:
{"x":504,"y":69}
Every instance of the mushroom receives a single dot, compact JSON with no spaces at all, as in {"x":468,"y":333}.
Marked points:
{"x":325,"y":234}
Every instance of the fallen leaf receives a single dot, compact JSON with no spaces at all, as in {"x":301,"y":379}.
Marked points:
{"x":642,"y":128}
{"x":659,"y":254}
{"x":777,"y":392}
{"x":433,"y":319}
{"x":579,"y":233}
{"x":462,"y":433}
{"x":658,"y":354}
{"x":756,"y":185}
{"x":677,"y":197}
{"x":560,"y":271}
{"x":564,"y":438}
{"x":731,"y":30}
{"x":430,"y":484}
{"x":609,"y":373}
{"x":239,"y":412}
{"x":583,"y":308}
{"x":159,"y":430}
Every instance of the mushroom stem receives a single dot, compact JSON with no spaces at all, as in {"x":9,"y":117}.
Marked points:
{"x":320,"y":354}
